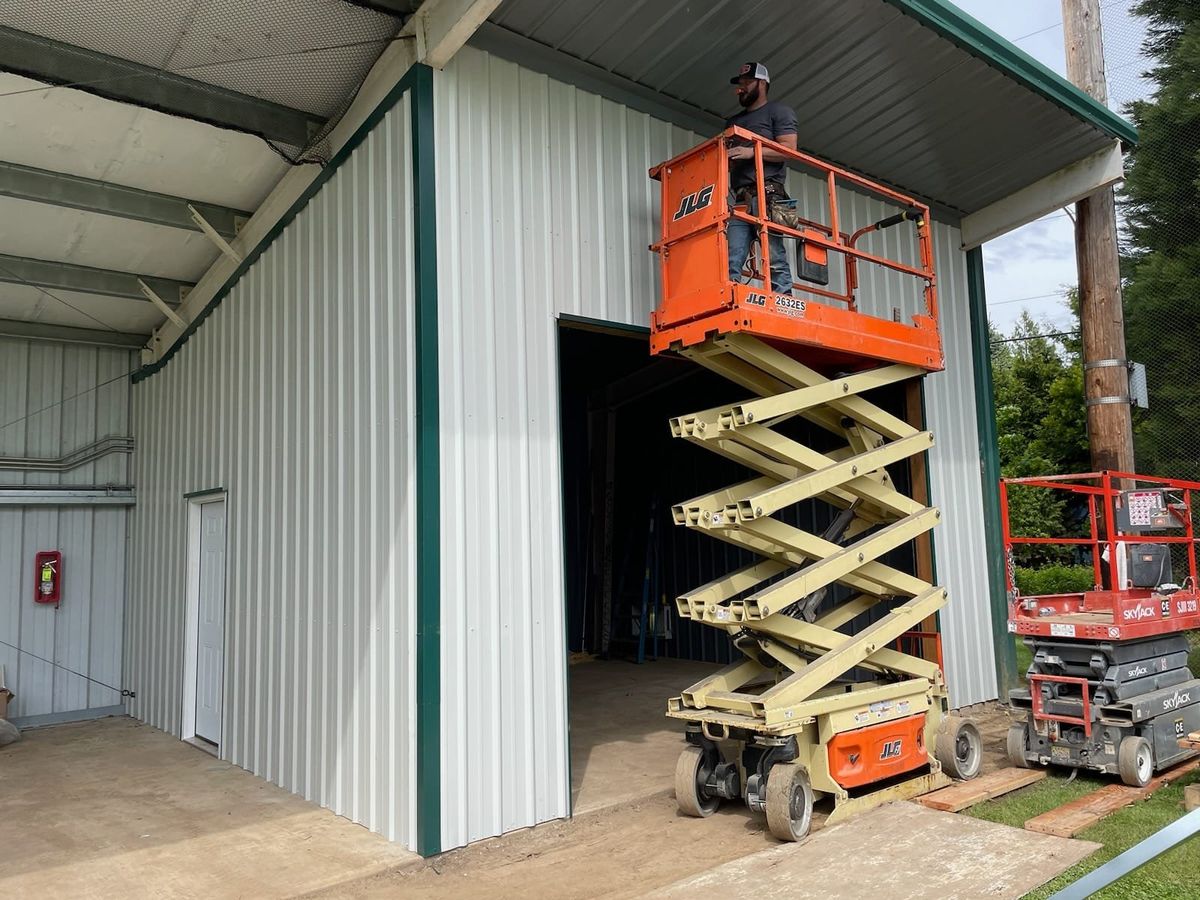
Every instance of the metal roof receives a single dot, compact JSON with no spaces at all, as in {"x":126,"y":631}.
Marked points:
{"x":113,"y":121}
{"x":913,"y":92}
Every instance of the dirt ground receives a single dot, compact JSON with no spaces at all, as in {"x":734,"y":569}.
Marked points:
{"x":623,"y":851}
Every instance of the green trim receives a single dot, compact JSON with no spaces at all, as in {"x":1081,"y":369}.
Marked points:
{"x":604,"y":326}
{"x":360,"y":134}
{"x":981,"y":42}
{"x":207,"y":492}
{"x":989,"y":453}
{"x":429,"y":600}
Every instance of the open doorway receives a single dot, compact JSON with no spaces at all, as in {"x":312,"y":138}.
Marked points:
{"x":626,"y":561}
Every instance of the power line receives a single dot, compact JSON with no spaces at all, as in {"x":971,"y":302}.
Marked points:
{"x":1059,"y":22}
{"x":1024,"y":299}
{"x":1034,"y":337}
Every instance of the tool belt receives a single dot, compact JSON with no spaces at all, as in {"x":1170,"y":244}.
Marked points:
{"x":777,"y":196}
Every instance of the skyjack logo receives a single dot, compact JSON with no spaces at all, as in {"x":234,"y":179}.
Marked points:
{"x":1139,"y":612}
{"x":1137,"y":672}
{"x":1180,"y":698}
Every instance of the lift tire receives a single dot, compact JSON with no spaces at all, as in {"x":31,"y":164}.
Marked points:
{"x":959,"y":748}
{"x":1135,"y":761}
{"x":1016,"y":747}
{"x":789,"y":801}
{"x":690,"y":775}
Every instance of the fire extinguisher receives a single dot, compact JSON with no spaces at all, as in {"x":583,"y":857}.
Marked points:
{"x":48,"y":577}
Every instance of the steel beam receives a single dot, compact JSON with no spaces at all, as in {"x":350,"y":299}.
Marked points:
{"x":75,"y":192}
{"x":67,"y":334}
{"x":115,"y":495}
{"x":127,"y":82}
{"x":86,"y":280}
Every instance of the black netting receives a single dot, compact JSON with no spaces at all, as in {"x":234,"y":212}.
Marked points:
{"x":1152,"y":56}
{"x":308,"y":55}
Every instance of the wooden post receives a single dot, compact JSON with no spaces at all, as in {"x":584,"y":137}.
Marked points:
{"x":1102,"y":320}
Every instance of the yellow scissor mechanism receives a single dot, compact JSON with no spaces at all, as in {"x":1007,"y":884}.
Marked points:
{"x":779,"y":727}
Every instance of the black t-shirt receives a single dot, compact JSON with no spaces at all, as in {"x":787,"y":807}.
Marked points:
{"x":772,"y":120}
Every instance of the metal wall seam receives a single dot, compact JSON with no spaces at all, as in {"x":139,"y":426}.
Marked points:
{"x":54,"y":399}
{"x":545,"y":208}
{"x":296,"y":397}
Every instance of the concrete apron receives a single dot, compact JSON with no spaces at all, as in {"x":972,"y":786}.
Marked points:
{"x":901,"y":851}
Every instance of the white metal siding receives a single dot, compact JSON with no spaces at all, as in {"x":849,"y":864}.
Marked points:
{"x":296,"y":397}
{"x":545,"y":208}
{"x":54,"y":399}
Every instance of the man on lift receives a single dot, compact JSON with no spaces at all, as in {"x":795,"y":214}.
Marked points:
{"x":775,"y":121}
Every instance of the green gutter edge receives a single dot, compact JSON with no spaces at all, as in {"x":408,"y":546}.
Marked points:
{"x":980,"y":41}
{"x":1007,"y":676}
{"x":429,"y":599}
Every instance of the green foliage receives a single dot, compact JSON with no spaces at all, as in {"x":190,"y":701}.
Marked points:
{"x":1041,"y":424}
{"x":1161,"y":202}
{"x":1055,"y":580}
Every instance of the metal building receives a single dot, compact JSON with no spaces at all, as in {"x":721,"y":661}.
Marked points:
{"x":347,"y":564}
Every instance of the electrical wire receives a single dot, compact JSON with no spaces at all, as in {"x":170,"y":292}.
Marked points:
{"x":121,"y":691}
{"x":1024,"y":299}
{"x":96,"y":387}
{"x":37,"y":287}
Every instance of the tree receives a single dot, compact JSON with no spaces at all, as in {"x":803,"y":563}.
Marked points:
{"x":1041,"y":423}
{"x":1161,"y":265}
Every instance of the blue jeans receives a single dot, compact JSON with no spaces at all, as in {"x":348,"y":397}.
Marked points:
{"x":741,"y":235}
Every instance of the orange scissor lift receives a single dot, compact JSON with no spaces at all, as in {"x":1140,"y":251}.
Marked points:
{"x":839,"y":692}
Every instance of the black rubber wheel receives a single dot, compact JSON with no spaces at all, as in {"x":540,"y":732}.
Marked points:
{"x":1135,"y":761}
{"x":959,"y":748}
{"x":789,"y":801}
{"x":1016,"y":747}
{"x":690,"y":775}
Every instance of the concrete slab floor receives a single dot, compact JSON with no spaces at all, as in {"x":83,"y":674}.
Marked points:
{"x":114,"y":808}
{"x":623,"y":747}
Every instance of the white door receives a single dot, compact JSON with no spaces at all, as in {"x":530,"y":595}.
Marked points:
{"x":210,"y":622}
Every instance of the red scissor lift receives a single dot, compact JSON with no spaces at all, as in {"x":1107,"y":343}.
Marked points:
{"x":1109,"y":687}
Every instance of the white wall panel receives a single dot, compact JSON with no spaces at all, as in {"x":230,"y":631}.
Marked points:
{"x":545,"y":208}
{"x":55,"y":399}
{"x":296,"y":397}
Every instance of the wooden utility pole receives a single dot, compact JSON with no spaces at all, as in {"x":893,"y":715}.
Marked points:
{"x":1102,"y":319}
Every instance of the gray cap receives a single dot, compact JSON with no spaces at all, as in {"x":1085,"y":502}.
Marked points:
{"x":752,"y":70}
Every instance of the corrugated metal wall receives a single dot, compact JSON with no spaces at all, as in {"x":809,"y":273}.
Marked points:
{"x":55,"y":399}
{"x":545,"y":208}
{"x":296,"y":397}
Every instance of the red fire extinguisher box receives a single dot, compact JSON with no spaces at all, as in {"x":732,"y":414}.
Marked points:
{"x":47,"y":577}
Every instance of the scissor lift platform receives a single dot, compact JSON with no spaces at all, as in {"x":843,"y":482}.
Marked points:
{"x":825,"y":701}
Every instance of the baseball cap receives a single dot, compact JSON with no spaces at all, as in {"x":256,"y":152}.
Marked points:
{"x":754,"y":70}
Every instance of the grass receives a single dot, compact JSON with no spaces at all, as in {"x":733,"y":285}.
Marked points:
{"x":1174,"y":874}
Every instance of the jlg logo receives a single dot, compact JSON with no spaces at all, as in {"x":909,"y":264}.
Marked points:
{"x":891,"y":750}
{"x":693,"y":202}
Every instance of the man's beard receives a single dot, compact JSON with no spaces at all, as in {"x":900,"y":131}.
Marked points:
{"x":749,"y":96}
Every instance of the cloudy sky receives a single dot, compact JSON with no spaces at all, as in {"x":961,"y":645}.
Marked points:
{"x":1030,"y":268}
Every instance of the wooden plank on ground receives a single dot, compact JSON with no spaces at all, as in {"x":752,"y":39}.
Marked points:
{"x":1071,"y":818}
{"x":1191,"y":742}
{"x":968,"y":793}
